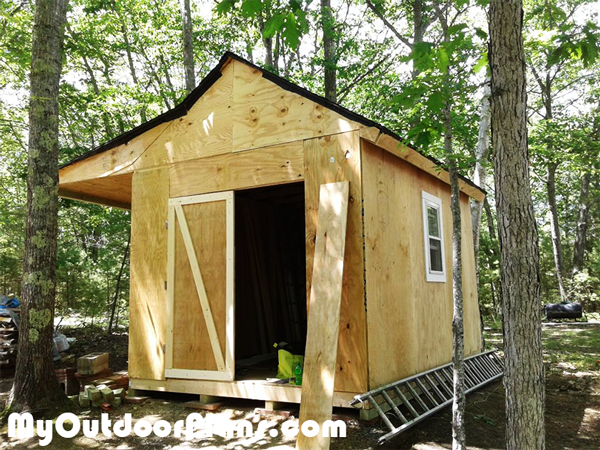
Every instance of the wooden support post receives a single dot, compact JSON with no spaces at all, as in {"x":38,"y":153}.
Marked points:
{"x":367,"y":415}
{"x":274,"y":406}
{"x":324,"y":315}
{"x":210,"y":399}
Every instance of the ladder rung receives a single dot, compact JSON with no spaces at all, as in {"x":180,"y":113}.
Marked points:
{"x":486,"y":370}
{"x":468,"y":381}
{"x":448,"y":378}
{"x":493,"y":367}
{"x":474,"y":374}
{"x":480,"y":366}
{"x":470,"y":376}
{"x":381,"y":413}
{"x":474,"y":368}
{"x":412,"y":410}
{"x":394,"y":407}
{"x":426,"y":392}
{"x":441,"y":382}
{"x":435,"y":388}
{"x":416,"y":397}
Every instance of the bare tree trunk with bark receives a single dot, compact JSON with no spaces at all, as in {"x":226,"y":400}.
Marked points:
{"x":480,"y":174}
{"x":582,"y":224}
{"x":524,"y":369}
{"x":36,"y":387}
{"x":117,"y":288}
{"x":188,"y":46}
{"x":458,"y":404}
{"x":480,"y":179}
{"x":557,"y":249}
{"x":329,"y":49}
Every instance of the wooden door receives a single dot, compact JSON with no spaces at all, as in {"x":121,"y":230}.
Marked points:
{"x":200,"y":340}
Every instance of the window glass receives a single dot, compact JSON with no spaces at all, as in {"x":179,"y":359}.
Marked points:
{"x":433,"y":222}
{"x":435,"y":255}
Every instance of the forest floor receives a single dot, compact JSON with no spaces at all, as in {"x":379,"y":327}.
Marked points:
{"x":571,"y":355}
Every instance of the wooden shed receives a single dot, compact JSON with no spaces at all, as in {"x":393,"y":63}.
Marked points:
{"x":224,"y":193}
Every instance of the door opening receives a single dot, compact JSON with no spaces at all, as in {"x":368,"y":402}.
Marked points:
{"x":270,"y":283}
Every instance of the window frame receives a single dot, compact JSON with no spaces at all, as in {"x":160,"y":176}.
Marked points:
{"x":428,"y":200}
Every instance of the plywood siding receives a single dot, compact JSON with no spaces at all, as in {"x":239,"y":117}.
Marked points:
{"x":265,"y":114}
{"x":148,"y":297}
{"x":409,"y":319}
{"x":112,"y":191}
{"x":328,"y":160}
{"x":205,"y":131}
{"x":117,"y":160}
{"x":191,"y":344}
{"x":255,"y":168}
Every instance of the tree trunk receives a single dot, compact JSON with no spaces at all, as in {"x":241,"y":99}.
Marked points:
{"x":329,"y":49}
{"x":480,"y":179}
{"x":555,"y":230}
{"x":188,"y":46}
{"x":35,"y":387}
{"x":114,"y":304}
{"x":480,"y":174}
{"x":130,"y":62}
{"x":419,"y":28}
{"x":458,"y":403}
{"x":524,"y":369}
{"x":582,"y":224}
{"x":494,"y":248}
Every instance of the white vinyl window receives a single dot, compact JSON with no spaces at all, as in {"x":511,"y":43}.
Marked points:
{"x":434,"y":238}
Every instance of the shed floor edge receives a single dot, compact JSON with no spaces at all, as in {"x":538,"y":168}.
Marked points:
{"x":236,"y":389}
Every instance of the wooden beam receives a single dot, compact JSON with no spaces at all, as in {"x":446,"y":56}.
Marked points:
{"x":253,"y":390}
{"x":324,"y":316}
{"x":254,"y":168}
{"x":91,"y":199}
{"x":406,"y":153}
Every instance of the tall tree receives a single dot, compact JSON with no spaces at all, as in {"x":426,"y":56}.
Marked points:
{"x":459,"y":438}
{"x":188,"y":45}
{"x":524,"y":369}
{"x":35,"y":385}
{"x":329,"y":50}
{"x":480,"y":173}
{"x":582,"y":223}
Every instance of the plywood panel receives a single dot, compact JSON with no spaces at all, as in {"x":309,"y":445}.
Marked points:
{"x":328,"y":160}
{"x":147,"y":304}
{"x":254,"y":168}
{"x":265,"y":114}
{"x":191,"y":344}
{"x":406,"y":153}
{"x":205,"y":131}
{"x":119,"y":159}
{"x":410,"y":319}
{"x":324,"y":317}
{"x":111,"y":191}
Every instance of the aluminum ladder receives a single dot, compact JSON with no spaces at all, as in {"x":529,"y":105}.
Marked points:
{"x":413,"y":399}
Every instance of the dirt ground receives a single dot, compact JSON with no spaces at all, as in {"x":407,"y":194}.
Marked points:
{"x":571,"y":353}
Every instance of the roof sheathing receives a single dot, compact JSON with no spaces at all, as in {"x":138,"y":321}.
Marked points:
{"x":187,"y":103}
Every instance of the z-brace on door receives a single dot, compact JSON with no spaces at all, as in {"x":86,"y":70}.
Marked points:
{"x":200,"y":340}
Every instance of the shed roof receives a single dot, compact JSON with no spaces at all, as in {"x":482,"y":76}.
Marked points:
{"x":185,"y":106}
